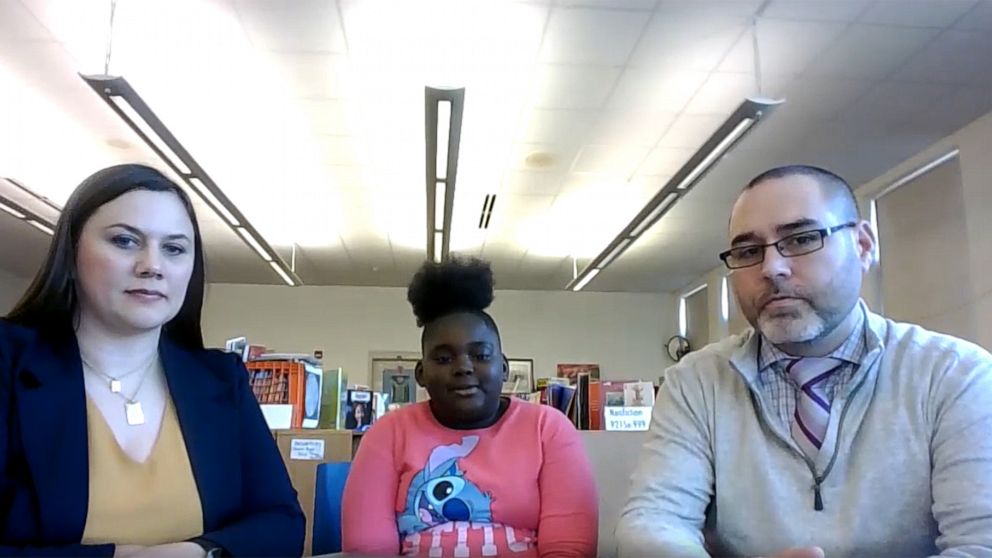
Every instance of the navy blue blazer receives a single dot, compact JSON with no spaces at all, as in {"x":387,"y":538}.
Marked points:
{"x":249,"y":505}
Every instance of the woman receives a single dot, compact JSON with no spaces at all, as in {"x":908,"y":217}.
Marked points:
{"x":122,"y":435}
{"x":469,"y":472}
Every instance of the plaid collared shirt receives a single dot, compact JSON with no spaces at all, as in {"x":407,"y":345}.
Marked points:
{"x":780,"y":389}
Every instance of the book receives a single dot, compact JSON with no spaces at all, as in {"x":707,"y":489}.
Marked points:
{"x":595,"y":405}
{"x":582,"y":401}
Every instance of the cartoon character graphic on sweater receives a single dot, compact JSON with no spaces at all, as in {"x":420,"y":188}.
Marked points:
{"x":440,"y":493}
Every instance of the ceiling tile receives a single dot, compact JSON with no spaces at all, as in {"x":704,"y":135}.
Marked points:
{"x":631,"y":127}
{"x":610,"y":4}
{"x":666,"y":160}
{"x":315,"y":75}
{"x":917,"y":14}
{"x":17,"y":23}
{"x":574,"y":87}
{"x":326,"y":116}
{"x":557,"y":126}
{"x":816,"y":10}
{"x":298,"y":26}
{"x":541,"y":157}
{"x":595,"y":37}
{"x":779,"y":50}
{"x":956,"y":110}
{"x":945,"y":59}
{"x":979,"y":18}
{"x":816,"y":98}
{"x":688,"y":40}
{"x":531,"y":183}
{"x":691,"y":130}
{"x":612,"y":160}
{"x":339,"y":150}
{"x":722,"y":94}
{"x":656,"y":90}
{"x":870,"y":51}
{"x":896,"y":102}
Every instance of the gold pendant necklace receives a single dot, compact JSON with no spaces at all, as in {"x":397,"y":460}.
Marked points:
{"x":133,"y":412}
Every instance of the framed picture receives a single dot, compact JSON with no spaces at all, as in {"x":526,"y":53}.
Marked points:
{"x":393,"y":375}
{"x":520,"y":377}
{"x":572,"y":371}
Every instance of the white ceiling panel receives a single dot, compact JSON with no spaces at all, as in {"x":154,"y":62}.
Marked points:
{"x":816,"y":10}
{"x":918,"y":14}
{"x":609,"y":4}
{"x":778,"y":50}
{"x":573,"y":87}
{"x":532,"y":183}
{"x":17,"y":23}
{"x":557,"y":126}
{"x":870,"y":51}
{"x":666,"y":160}
{"x":631,"y":127}
{"x":722,"y":94}
{"x":691,"y":130}
{"x":612,"y":160}
{"x":979,"y":18}
{"x":688,"y":40}
{"x":656,"y":90}
{"x":945,"y":61}
{"x":896,"y":102}
{"x":315,"y":76}
{"x":594,"y":37}
{"x":298,"y":26}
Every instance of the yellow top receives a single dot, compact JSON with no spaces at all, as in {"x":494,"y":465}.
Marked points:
{"x":150,"y":503}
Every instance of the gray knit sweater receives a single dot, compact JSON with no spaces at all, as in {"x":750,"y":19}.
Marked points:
{"x":905,"y":470}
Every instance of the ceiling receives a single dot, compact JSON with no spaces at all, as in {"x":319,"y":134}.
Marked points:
{"x":309,"y":115}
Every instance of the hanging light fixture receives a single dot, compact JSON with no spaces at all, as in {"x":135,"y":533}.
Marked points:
{"x":443,"y":109}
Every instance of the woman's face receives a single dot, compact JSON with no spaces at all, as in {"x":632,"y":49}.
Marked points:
{"x":359,"y":413}
{"x":134,"y":261}
{"x":463,"y":369}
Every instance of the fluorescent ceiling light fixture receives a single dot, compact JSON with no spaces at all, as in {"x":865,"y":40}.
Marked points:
{"x":439,"y":204}
{"x":443,"y":133}
{"x":41,"y":227}
{"x":22,"y":213}
{"x":717,"y":152}
{"x":683,"y":317}
{"x":282,"y":274}
{"x":616,"y":252}
{"x":438,"y":243}
{"x":443,"y":109}
{"x":149,"y":135}
{"x":12,"y":211}
{"x":213,"y":202}
{"x":254,"y":243}
{"x":654,"y":215}
{"x":589,"y":276}
{"x":125,"y":101}
{"x":914,"y":174}
{"x":736,"y":127}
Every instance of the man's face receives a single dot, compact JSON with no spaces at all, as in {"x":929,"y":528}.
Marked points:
{"x":803,"y":298}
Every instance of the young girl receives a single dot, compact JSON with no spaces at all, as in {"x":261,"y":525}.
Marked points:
{"x":469,"y":472}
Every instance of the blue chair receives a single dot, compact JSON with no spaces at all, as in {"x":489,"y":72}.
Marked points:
{"x":327,"y":507}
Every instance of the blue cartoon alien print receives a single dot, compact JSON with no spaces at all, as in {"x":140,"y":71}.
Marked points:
{"x":440,"y":493}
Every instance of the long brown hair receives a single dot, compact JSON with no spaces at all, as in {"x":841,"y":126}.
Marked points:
{"x":51,"y":303}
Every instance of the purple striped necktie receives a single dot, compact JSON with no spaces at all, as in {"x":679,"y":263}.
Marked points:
{"x":809,"y":424}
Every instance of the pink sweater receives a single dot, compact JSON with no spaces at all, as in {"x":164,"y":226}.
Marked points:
{"x":521,"y":487}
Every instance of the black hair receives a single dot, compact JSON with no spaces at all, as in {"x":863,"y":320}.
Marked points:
{"x":51,"y":303}
{"x":452,"y":287}
{"x":829,"y":181}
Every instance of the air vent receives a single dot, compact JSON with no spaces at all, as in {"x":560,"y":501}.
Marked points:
{"x":487,"y":211}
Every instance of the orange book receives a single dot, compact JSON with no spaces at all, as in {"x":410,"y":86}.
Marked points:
{"x":595,"y":406}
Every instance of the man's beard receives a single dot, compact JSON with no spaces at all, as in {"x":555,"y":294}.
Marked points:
{"x":800,"y":325}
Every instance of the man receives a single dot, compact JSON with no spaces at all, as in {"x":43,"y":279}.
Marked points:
{"x":826,"y":429}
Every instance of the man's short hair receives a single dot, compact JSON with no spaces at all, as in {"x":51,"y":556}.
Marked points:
{"x":832,"y":183}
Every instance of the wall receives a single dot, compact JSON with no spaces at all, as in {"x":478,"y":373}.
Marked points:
{"x":976,"y":174}
{"x":624,"y":333}
{"x":713,"y":279}
{"x":11,"y":289}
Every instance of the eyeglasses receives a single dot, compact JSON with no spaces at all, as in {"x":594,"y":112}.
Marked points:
{"x":791,"y":246}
